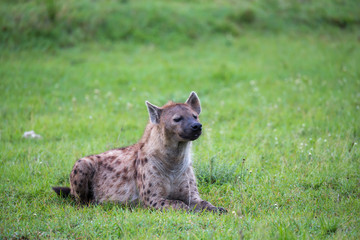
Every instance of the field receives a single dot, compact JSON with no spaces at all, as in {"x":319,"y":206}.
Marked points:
{"x":281,"y":116}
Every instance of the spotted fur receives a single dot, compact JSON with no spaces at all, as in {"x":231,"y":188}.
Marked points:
{"x":155,"y":172}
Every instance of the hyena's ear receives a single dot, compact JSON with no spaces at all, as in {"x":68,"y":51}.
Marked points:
{"x":194,"y":102}
{"x":154,"y":112}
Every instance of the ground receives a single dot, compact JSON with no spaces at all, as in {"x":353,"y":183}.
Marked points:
{"x":280,"y":148}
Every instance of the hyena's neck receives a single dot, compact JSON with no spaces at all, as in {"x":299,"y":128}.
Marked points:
{"x":168,"y":155}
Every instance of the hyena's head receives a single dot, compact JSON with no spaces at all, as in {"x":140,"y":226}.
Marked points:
{"x":180,"y":121}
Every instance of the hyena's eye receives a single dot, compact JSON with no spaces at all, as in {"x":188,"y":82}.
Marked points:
{"x":195,"y":117}
{"x":177,"y":119}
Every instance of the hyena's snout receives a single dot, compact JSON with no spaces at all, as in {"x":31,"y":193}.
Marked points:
{"x":193,"y":131}
{"x":196,"y":127}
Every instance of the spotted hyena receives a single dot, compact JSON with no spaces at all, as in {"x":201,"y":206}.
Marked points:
{"x":155,"y":172}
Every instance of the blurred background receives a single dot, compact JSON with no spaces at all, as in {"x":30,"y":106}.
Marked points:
{"x":45,"y":23}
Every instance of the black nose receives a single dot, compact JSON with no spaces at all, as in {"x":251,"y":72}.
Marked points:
{"x":196,"y":126}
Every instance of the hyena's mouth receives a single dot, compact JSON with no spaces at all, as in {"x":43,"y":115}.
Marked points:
{"x":192,"y":136}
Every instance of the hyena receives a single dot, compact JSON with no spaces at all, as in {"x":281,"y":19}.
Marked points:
{"x":155,"y":172}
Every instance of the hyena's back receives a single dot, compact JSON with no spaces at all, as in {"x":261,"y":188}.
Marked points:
{"x":109,"y":176}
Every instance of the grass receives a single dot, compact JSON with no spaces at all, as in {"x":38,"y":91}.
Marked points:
{"x":50,"y":23}
{"x":280,"y":148}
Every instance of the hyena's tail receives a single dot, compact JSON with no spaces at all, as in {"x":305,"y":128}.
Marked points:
{"x":62,"y":191}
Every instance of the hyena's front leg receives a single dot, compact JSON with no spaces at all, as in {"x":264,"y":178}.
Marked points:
{"x":198,"y":205}
{"x":162,"y":203}
{"x":153,"y":193}
{"x":205,"y":205}
{"x":154,"y":197}
{"x":192,"y":197}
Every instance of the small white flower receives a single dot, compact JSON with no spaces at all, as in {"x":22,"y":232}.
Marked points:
{"x":31,"y":134}
{"x":309,"y":153}
{"x":90,"y":117}
{"x":325,"y":140}
{"x":355,"y":143}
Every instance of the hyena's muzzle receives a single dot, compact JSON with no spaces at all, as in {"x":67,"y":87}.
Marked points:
{"x":192,"y":129}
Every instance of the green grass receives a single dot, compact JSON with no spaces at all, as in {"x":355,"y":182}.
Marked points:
{"x":51,"y":23}
{"x":280,"y":149}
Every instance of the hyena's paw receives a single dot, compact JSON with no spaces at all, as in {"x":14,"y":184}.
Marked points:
{"x":221,"y":210}
{"x":206,"y":206}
